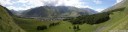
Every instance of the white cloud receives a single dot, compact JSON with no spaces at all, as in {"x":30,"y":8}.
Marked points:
{"x":97,"y":1}
{"x":5,"y":2}
{"x":27,"y":4}
{"x":117,"y":1}
{"x":17,"y":8}
{"x":99,"y":10}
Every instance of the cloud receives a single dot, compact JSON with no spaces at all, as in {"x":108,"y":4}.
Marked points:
{"x":99,"y":10}
{"x":5,"y":2}
{"x":97,"y":1}
{"x":117,"y":1}
{"x":27,"y":4}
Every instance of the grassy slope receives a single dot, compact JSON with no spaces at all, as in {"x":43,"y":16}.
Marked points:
{"x":116,"y":6}
{"x":30,"y":25}
{"x":116,"y":21}
{"x":6,"y":22}
{"x":120,"y":24}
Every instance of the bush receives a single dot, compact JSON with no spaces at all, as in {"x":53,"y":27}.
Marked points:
{"x":76,"y":28}
{"x":119,"y":9}
{"x":0,"y":17}
{"x":41,"y":27}
{"x":67,"y":19}
{"x":53,"y":24}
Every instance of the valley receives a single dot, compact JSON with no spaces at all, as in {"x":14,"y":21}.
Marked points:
{"x":65,"y":19}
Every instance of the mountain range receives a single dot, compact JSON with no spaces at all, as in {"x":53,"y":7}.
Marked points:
{"x":58,"y":11}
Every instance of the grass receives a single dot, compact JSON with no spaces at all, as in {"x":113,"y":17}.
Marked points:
{"x":117,"y":22}
{"x":62,"y":27}
{"x":30,"y":25}
{"x":6,"y":22}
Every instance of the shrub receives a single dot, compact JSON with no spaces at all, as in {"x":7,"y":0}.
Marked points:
{"x":76,"y":28}
{"x":41,"y":27}
{"x":0,"y":17}
{"x":53,"y":24}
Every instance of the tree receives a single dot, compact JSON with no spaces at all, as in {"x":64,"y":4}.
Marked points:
{"x":41,"y":27}
{"x":90,"y":19}
{"x":53,"y":24}
{"x":76,"y":28}
{"x":0,"y":17}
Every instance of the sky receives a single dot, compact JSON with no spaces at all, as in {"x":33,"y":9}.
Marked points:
{"x":97,"y":5}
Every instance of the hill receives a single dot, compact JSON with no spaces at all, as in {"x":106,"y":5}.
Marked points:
{"x":6,"y":22}
{"x":116,"y":6}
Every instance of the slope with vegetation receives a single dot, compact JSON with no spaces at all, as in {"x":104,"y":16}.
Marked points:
{"x":6,"y":22}
{"x":117,"y":5}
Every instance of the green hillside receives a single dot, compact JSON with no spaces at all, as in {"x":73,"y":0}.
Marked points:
{"x":118,"y":5}
{"x":6,"y":22}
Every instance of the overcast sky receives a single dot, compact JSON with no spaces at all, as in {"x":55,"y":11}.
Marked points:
{"x":97,"y":5}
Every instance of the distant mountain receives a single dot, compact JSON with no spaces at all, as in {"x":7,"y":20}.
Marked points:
{"x":16,"y":13}
{"x":59,"y":11}
{"x":90,"y":10}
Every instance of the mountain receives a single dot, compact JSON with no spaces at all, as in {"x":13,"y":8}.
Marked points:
{"x":59,"y":11}
{"x":16,"y":13}
{"x":7,"y":23}
{"x":116,"y":6}
{"x":90,"y":10}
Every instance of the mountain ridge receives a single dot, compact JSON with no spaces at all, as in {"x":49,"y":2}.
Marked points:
{"x":59,"y":11}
